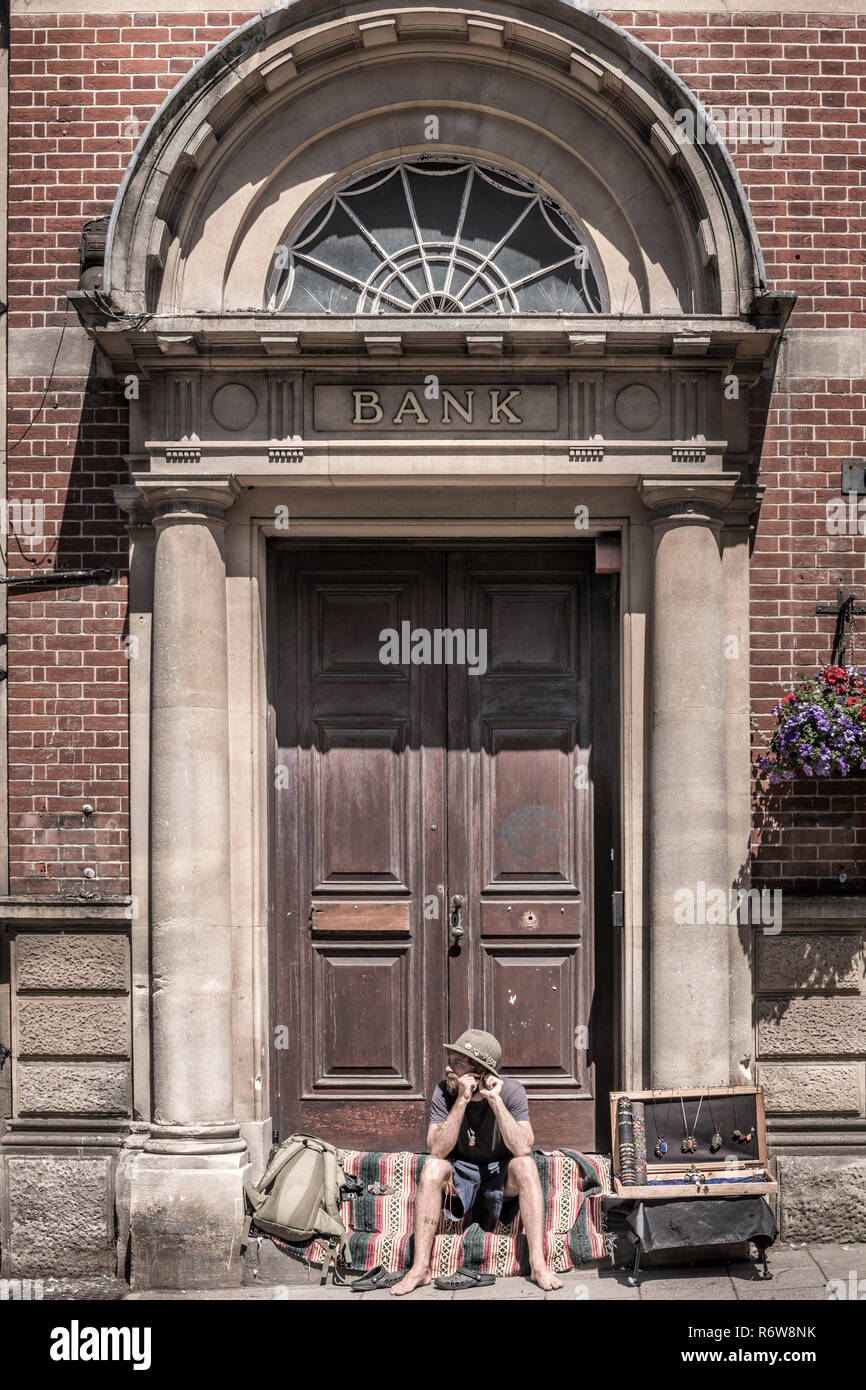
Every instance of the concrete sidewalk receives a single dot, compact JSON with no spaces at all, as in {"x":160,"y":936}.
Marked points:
{"x":800,"y":1274}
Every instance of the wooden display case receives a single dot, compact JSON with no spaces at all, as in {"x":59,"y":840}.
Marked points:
{"x":737,"y":1169}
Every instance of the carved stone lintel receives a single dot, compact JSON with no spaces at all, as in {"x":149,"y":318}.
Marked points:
{"x":183,"y":455}
{"x":284,"y":455}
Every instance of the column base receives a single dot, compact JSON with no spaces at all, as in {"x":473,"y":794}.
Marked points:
{"x":186,"y":1213}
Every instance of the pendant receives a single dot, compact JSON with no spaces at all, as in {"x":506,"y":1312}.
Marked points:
{"x":472,"y":1141}
{"x":743,"y":1138}
{"x":715,"y":1142}
{"x":661,"y":1148}
{"x":689,"y":1144}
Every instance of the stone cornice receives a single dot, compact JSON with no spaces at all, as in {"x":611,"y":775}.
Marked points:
{"x":234,"y":341}
{"x":61,"y":910}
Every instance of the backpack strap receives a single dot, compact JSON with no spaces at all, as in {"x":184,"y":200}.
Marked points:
{"x":331,"y":1199}
{"x":245,"y":1232}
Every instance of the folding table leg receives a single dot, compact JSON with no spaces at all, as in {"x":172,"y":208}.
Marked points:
{"x":764,"y":1273}
{"x":634,"y":1278}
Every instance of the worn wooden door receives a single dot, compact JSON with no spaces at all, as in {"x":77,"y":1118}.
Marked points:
{"x":401,"y":788}
{"x":520,"y":826}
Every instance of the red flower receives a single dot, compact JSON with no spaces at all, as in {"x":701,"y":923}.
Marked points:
{"x":788,"y":700}
{"x":835,"y":675}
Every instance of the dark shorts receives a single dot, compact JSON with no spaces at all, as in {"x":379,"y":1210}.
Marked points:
{"x":483,"y":1183}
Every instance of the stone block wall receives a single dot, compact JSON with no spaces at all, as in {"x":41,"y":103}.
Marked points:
{"x":71,"y":1056}
{"x":810,"y":1048}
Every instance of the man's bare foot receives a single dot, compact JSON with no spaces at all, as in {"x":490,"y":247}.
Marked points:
{"x":412,"y":1280}
{"x":544,"y":1279}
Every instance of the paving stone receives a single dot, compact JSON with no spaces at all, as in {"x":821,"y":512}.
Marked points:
{"x":834,"y":1261}
{"x":670,"y":1290}
{"x":773,"y":1293}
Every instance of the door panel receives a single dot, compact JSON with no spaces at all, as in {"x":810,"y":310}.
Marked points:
{"x":362,"y":744}
{"x":520,"y":834}
{"x":368,"y":848}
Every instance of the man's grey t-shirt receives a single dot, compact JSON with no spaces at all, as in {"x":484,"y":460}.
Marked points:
{"x":478,"y":1117}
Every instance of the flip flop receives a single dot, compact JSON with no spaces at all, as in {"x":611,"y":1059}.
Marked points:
{"x":464,"y":1279}
{"x":378,"y":1278}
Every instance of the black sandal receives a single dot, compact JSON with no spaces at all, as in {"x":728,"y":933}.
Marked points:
{"x":464,"y":1278}
{"x":378,"y":1278}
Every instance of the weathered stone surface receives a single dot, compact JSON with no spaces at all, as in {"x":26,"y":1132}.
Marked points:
{"x":59,"y":1222}
{"x":801,"y":960}
{"x":85,"y":960}
{"x":823,"y":1198}
{"x":821,"y":1089}
{"x":86,"y":1026}
{"x":74,"y":1089}
{"x":185,"y":1222}
{"x":810,"y":1027}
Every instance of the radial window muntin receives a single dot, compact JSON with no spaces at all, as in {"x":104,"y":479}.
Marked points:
{"x":423,"y":273}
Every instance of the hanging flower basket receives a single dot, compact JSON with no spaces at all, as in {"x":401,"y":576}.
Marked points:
{"x":820,"y":727}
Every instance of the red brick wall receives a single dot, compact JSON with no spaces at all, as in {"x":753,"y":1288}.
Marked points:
{"x":78,"y":85}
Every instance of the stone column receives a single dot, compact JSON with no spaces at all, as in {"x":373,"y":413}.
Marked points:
{"x":689,"y":1021}
{"x":739,"y":527}
{"x":186,"y":1186}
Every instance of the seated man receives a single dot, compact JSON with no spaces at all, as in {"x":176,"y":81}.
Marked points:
{"x":480,"y":1141}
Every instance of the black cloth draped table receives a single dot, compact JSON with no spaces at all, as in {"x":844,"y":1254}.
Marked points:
{"x":678,"y":1224}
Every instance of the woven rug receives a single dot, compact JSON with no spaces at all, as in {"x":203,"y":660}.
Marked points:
{"x":380,"y":1226}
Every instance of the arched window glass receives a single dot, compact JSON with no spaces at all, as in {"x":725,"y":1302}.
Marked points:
{"x":436,"y":236}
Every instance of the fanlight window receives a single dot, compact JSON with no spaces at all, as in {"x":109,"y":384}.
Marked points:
{"x":436,"y":237}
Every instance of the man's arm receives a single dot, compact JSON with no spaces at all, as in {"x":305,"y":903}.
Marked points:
{"x":516,"y":1134}
{"x":441,"y":1138}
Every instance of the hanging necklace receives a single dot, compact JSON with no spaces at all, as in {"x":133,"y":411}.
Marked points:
{"x":740,"y":1137}
{"x":716,"y":1141}
{"x":689,"y":1143}
{"x":661,"y":1146}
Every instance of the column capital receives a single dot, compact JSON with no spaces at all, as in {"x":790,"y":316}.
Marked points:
{"x":691,"y":498}
{"x":191,"y":497}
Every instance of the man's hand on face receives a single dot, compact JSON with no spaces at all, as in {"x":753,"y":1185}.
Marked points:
{"x":467,"y":1085}
{"x":491,"y":1086}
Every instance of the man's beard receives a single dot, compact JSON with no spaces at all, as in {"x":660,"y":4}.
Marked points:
{"x":451,"y":1085}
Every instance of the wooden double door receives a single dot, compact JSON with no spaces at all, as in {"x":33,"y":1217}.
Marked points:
{"x":444,"y":729}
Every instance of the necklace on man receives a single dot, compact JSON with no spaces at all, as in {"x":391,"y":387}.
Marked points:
{"x":716,"y":1141}
{"x":661,"y":1147}
{"x":689,"y":1143}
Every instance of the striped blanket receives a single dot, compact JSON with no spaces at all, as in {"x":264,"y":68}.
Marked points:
{"x":380,"y":1224}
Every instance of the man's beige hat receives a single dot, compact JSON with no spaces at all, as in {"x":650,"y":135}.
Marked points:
{"x":478,"y":1047}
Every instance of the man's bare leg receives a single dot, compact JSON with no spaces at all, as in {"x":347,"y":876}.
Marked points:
{"x":435,"y":1175}
{"x":522,"y":1181}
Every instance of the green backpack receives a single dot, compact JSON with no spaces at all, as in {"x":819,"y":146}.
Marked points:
{"x":298,"y":1197}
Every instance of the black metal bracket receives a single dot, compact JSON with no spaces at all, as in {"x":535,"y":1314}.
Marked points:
{"x":59,"y":579}
{"x":844,"y":610}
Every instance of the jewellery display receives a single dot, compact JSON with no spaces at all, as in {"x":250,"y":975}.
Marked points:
{"x":643,"y":1173}
{"x":690,"y":1143}
{"x":661,"y":1145}
{"x":625,"y":1134}
{"x":639,"y":1115}
{"x":699,"y":1179}
{"x":740,"y":1137}
{"x":716,"y":1141}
